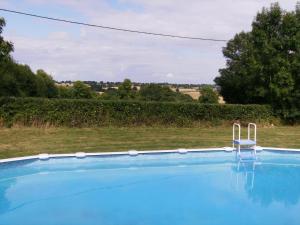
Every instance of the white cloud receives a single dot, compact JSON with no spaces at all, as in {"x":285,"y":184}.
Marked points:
{"x":96,"y":54}
{"x":170,"y":75}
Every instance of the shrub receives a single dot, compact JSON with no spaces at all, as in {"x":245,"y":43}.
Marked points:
{"x":91,"y":112}
{"x":156,"y":92}
{"x":208,"y":95}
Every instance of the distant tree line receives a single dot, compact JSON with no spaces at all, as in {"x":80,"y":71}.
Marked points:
{"x":147,"y":92}
{"x":101,"y":86}
{"x":156,"y":92}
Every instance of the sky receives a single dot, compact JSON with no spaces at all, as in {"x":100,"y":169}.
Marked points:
{"x":73,"y":52}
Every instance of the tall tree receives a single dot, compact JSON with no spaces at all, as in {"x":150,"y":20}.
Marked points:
{"x":7,"y":82}
{"x":263,"y":65}
{"x":15,"y":79}
{"x":6,"y":47}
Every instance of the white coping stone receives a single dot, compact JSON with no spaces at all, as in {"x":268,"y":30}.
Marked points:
{"x":258,"y":148}
{"x":43,"y":156}
{"x":157,"y":151}
{"x":133,"y":153}
{"x":205,"y":150}
{"x":62,"y":155}
{"x":80,"y":155}
{"x":106,"y":153}
{"x":282,"y":149}
{"x":228,"y":149}
{"x":182,"y":151}
{"x":18,"y":159}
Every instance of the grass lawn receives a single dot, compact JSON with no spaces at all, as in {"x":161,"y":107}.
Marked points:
{"x":30,"y":141}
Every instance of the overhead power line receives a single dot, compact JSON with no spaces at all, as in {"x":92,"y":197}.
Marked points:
{"x":112,"y":28}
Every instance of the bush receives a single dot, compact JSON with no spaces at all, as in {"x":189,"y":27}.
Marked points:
{"x":208,"y":95}
{"x":156,"y":92}
{"x":79,"y":112}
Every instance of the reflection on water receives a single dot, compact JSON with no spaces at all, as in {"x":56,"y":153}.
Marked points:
{"x":278,"y":183}
{"x":266,"y":183}
{"x":245,"y":172}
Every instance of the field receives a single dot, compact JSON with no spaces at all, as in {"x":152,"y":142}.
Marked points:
{"x":29,"y":141}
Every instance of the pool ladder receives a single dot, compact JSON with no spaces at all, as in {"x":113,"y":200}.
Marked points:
{"x":246,"y":145}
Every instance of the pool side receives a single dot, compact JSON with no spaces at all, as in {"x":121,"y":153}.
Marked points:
{"x":46,"y":156}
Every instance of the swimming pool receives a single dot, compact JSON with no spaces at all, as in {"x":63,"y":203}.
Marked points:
{"x":152,"y":189}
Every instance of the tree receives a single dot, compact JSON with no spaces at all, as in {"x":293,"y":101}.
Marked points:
{"x":7,"y":82}
{"x":110,"y":94}
{"x":125,"y":90}
{"x":46,"y":85}
{"x":95,"y":86}
{"x":64,"y":92}
{"x":155,"y":92}
{"x":15,"y":79}
{"x":81,"y":90}
{"x":25,"y":80}
{"x":6,"y":47}
{"x":263,"y":65}
{"x":208,"y":95}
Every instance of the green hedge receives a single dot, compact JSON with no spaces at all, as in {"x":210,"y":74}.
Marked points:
{"x":87,"y":113}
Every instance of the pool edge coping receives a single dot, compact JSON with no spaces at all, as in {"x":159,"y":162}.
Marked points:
{"x":45,"y":156}
{"x":116,"y":153}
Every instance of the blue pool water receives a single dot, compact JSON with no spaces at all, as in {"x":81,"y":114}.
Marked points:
{"x":161,"y":189}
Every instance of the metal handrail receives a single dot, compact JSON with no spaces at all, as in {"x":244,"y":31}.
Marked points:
{"x":233,"y":132}
{"x":249,"y":130}
{"x":237,"y":142}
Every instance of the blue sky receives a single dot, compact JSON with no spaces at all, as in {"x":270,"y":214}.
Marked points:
{"x":71,"y":52}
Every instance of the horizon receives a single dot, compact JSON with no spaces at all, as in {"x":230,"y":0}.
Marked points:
{"x":134,"y":82}
{"x":70,"y":52}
